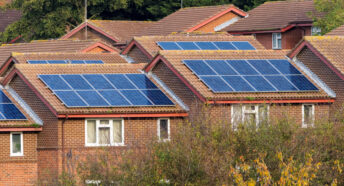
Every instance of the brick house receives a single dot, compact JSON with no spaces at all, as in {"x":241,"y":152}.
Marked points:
{"x":72,"y":127}
{"x":337,"y":31}
{"x":324,"y":56}
{"x":238,"y":99}
{"x":143,"y":49}
{"x":277,"y":24}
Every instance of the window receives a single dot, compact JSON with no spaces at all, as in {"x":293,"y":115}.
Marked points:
{"x":104,"y":132}
{"x":246,"y":114}
{"x":16,"y":144}
{"x":276,"y":41}
{"x":307,"y":115}
{"x":316,"y":31}
{"x":164,"y":129}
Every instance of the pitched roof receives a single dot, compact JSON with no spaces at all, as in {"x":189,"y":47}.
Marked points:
{"x":107,"y":58}
{"x":337,"y":31}
{"x":274,"y":15}
{"x":149,"y":42}
{"x":30,"y":72}
{"x":174,"y":58}
{"x":124,"y":31}
{"x":7,"y":17}
{"x":44,"y":46}
{"x":187,"y":18}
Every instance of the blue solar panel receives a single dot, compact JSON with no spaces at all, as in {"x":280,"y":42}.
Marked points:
{"x":188,"y":45}
{"x":238,"y":83}
{"x":37,"y":61}
{"x":221,"y":67}
{"x":301,"y":82}
{"x":104,"y":90}
{"x":57,"y":61}
{"x":216,"y":84}
{"x":224,"y":45}
{"x":263,"y":66}
{"x":54,"y":82}
{"x":92,"y":98}
{"x":94,"y":62}
{"x":281,"y":83}
{"x":77,"y":62}
{"x":169,"y":46}
{"x":242,"y":67}
{"x":206,"y":46}
{"x":259,"y":83}
{"x":199,"y":67}
{"x":284,"y":66}
{"x":243,"y":45}
{"x":11,"y":112}
{"x":4,"y":98}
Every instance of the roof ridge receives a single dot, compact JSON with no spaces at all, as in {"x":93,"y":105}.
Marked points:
{"x":43,"y":41}
{"x":190,"y":7}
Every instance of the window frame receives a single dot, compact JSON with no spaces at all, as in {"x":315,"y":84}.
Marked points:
{"x":21,"y":146}
{"x":98,"y":125}
{"x":278,"y":36}
{"x":315,"y":33}
{"x":305,"y":125}
{"x":243,"y":111}
{"x":168,"y":129}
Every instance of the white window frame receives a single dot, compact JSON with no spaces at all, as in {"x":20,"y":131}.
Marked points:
{"x":21,"y":146}
{"x":168,"y":129}
{"x":305,"y":125}
{"x":313,"y":32}
{"x":278,"y":36}
{"x":98,"y":125}
{"x":243,"y":111}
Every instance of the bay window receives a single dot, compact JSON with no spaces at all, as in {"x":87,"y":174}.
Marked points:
{"x":104,"y":132}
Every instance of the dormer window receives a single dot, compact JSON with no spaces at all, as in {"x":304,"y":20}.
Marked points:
{"x":276,"y":41}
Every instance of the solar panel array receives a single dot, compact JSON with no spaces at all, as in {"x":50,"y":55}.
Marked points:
{"x":105,"y":90}
{"x":65,"y":61}
{"x":205,"y":45}
{"x":250,"y":75}
{"x":8,"y":111}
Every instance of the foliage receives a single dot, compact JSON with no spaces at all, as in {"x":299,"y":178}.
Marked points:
{"x":333,"y":11}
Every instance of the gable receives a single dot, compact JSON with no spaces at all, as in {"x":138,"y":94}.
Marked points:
{"x":212,"y":26}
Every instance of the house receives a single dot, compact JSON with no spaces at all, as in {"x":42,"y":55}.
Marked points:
{"x":113,"y":32}
{"x":278,"y":24}
{"x":243,"y":86}
{"x":143,"y":49}
{"x":337,"y":32}
{"x":8,"y":17}
{"x":324,"y":56}
{"x":85,"y":106}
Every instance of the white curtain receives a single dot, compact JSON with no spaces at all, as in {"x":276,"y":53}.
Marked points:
{"x":117,"y":131}
{"x":91,"y":131}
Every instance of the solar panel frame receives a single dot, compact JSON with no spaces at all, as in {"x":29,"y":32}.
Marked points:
{"x":176,"y":47}
{"x":240,"y":45}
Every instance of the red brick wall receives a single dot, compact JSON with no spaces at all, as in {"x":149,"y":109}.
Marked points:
{"x":138,"y":56}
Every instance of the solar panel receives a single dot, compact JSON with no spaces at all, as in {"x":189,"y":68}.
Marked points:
{"x":105,"y":90}
{"x":77,"y":62}
{"x":8,"y":111}
{"x":65,"y":61}
{"x":56,"y":61}
{"x":94,"y":62}
{"x":205,"y":45}
{"x":37,"y":61}
{"x":249,"y":75}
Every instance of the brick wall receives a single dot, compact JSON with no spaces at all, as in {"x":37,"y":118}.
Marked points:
{"x":138,"y":56}
{"x":91,"y":34}
{"x":218,"y":21}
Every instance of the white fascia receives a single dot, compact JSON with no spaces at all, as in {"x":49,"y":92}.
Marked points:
{"x":128,"y":58}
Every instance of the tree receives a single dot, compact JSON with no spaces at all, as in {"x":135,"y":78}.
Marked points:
{"x":332,"y":12}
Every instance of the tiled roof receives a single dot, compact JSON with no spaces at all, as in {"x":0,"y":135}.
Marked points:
{"x":7,"y":17}
{"x":150,"y":45}
{"x":331,"y":47}
{"x":121,"y":30}
{"x":184,"y":19}
{"x":274,"y":15}
{"x":175,"y":59}
{"x":106,"y":57}
{"x":337,"y":32}
{"x":30,"y":72}
{"x":44,"y":46}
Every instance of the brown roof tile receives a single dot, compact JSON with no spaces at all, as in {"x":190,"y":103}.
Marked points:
{"x":337,"y":32}
{"x":184,"y":19}
{"x":106,"y":57}
{"x":331,"y":47}
{"x":122,"y":30}
{"x":150,"y":45}
{"x":30,"y":72}
{"x":175,"y":58}
{"x":7,"y":17}
{"x":274,"y":15}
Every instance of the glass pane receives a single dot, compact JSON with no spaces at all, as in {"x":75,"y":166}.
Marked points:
{"x":237,"y":115}
{"x":263,"y":113}
{"x":117,"y":131}
{"x":163,"y":129}
{"x":308,"y":114}
{"x":250,"y":118}
{"x":16,"y":143}
{"x":91,"y":131}
{"x":104,"y":135}
{"x":104,"y":122}
{"x":279,"y":43}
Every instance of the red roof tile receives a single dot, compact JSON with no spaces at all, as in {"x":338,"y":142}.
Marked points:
{"x":7,"y":17}
{"x":337,"y":32}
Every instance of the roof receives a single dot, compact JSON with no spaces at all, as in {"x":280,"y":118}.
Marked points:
{"x":44,"y":46}
{"x":337,"y":32}
{"x":107,"y":58}
{"x":274,"y":15}
{"x":124,"y":31}
{"x":187,"y":18}
{"x":7,"y":17}
{"x":149,"y":44}
{"x":174,"y":58}
{"x":30,"y":72}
